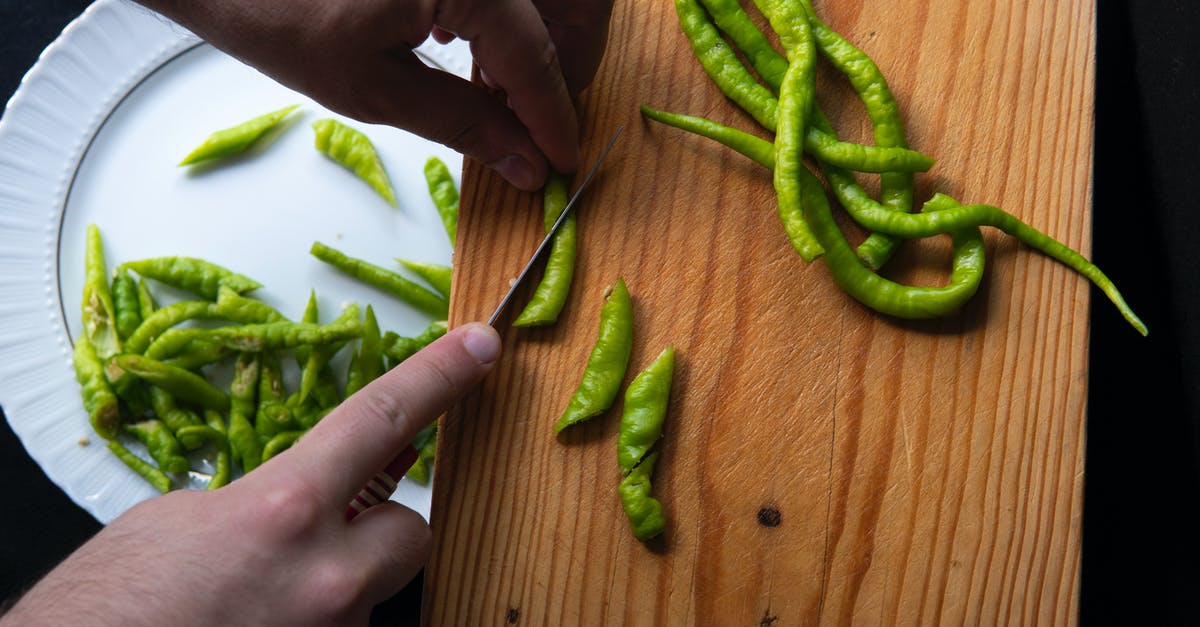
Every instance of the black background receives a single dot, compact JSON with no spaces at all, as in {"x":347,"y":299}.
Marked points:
{"x":1141,"y":532}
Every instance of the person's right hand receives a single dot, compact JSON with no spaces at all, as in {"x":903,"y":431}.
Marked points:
{"x":355,"y":57}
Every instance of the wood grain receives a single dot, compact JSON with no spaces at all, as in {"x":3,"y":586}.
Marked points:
{"x":822,"y":463}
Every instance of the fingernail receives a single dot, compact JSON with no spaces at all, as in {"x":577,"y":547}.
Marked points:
{"x":517,"y":171}
{"x":482,"y":342}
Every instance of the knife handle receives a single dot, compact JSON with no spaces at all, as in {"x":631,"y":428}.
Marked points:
{"x":381,"y":487}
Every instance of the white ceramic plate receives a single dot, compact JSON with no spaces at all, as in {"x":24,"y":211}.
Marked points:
{"x":93,"y":135}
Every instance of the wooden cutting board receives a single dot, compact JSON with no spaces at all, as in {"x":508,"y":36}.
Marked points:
{"x":821,"y":463}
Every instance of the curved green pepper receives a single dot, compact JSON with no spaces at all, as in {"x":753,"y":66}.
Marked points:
{"x":352,"y":149}
{"x":644,"y":411}
{"x":236,"y":139}
{"x":645,"y":513}
{"x":607,"y":364}
{"x":551,"y":293}
{"x":190,"y":274}
{"x":161,"y":444}
{"x":444,"y":194}
{"x":99,"y":400}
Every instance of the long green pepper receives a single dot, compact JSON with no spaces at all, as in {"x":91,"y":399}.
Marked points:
{"x":190,"y":274}
{"x":607,"y":363}
{"x":444,"y":194}
{"x":383,"y":279}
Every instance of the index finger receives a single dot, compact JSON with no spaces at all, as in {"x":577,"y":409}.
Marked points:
{"x":356,"y":440}
{"x":511,"y":45}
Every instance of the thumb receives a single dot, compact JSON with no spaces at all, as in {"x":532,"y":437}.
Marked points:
{"x":356,"y":440}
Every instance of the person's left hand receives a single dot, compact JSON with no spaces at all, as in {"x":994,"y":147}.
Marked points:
{"x":274,"y":547}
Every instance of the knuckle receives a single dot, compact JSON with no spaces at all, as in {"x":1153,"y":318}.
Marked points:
{"x":337,"y":590}
{"x":388,"y":410}
{"x":285,"y":512}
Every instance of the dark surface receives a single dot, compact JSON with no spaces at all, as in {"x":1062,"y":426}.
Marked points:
{"x":1140,"y":528}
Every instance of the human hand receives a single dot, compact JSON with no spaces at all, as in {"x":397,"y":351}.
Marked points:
{"x":273,"y":547}
{"x":355,"y":57}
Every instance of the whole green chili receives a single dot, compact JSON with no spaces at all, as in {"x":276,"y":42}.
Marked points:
{"x":236,"y":139}
{"x":190,"y":274}
{"x":895,"y":188}
{"x":881,"y":294}
{"x":607,"y":363}
{"x":551,"y":293}
{"x":645,"y":513}
{"x":354,"y":150}
{"x":644,"y":411}
{"x":146,"y":470}
{"x":384,"y":279}
{"x":444,"y":194}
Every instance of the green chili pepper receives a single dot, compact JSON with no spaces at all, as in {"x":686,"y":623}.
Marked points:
{"x":234,"y":306}
{"x":734,"y":22}
{"x":383,"y":279}
{"x":398,"y":348}
{"x":845,"y":186}
{"x":606,"y":365}
{"x":551,"y":293}
{"x":125,"y":300}
{"x":879,"y":293}
{"x":644,"y":411}
{"x":444,"y":193}
{"x":146,"y":303}
{"x":190,"y":274}
{"x":727,"y":72}
{"x":154,"y":476}
{"x":99,"y":400}
{"x":243,"y":439}
{"x":312,"y":314}
{"x":176,"y":418}
{"x":436,"y":275}
{"x":271,"y":414}
{"x":280,"y":443}
{"x":645,"y":513}
{"x":723,"y":66}
{"x":199,"y":353}
{"x":352,"y":149}
{"x":181,"y":383}
{"x":163,"y":319}
{"x":796,"y":94}
{"x":282,"y":335}
{"x":162,"y":446}
{"x":236,"y":139}
{"x":98,"y":311}
{"x":426,"y":445}
{"x":222,"y":464}
{"x":896,"y":188}
{"x":943,"y":214}
{"x":847,"y":155}
{"x":201,"y":434}
{"x":316,"y":374}
{"x":367,"y":364}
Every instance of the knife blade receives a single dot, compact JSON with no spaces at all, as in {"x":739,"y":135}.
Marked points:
{"x":553,"y":230}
